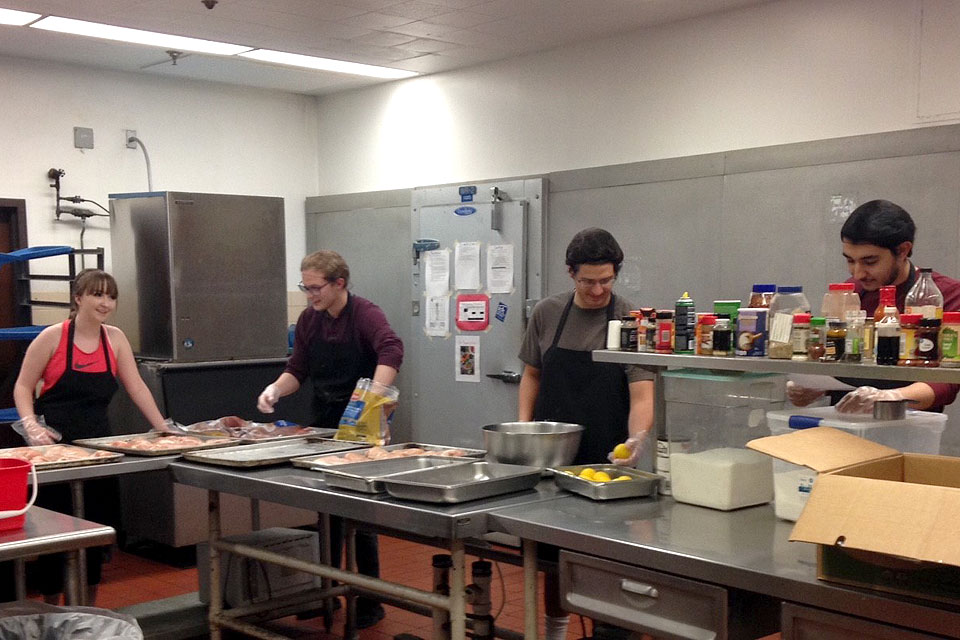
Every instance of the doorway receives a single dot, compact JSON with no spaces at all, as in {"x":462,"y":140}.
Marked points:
{"x":13,"y":236}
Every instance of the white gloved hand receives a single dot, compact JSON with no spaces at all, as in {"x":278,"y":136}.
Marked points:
{"x":170,"y":426}
{"x":801,"y":396}
{"x":862,"y":399}
{"x":635,"y":445}
{"x":35,"y":431}
{"x":268,"y":398}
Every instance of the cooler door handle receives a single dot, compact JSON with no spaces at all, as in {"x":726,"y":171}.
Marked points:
{"x":510,"y":377}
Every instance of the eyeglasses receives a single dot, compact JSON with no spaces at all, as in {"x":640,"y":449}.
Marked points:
{"x":312,"y":290}
{"x":587,"y":283}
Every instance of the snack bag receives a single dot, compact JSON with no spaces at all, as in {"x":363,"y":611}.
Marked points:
{"x":369,"y":413}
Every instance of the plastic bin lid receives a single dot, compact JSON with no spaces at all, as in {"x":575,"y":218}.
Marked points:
{"x":804,"y":418}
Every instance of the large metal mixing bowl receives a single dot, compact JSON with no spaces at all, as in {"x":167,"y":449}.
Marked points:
{"x":538,"y":444}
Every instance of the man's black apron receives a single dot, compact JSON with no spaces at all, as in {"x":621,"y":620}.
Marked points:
{"x":334,"y":370}
{"x":574,"y":388}
{"x":76,"y":406}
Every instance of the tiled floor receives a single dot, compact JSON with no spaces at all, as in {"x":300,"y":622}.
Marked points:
{"x":131,"y":579}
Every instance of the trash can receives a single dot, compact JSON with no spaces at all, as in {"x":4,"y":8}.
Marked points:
{"x":27,"y":620}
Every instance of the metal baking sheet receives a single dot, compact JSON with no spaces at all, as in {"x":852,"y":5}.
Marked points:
{"x":641,"y":483}
{"x":62,"y":464}
{"x":368,"y":477}
{"x":267,"y":453}
{"x":319,"y":463}
{"x":462,"y":482}
{"x":207,"y":442}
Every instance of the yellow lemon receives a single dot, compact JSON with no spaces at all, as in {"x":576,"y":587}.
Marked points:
{"x":621,"y":451}
{"x":621,"y":478}
{"x":601,"y":476}
{"x":587,"y":474}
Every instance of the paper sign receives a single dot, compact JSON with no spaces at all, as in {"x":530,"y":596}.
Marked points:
{"x":436,"y":276}
{"x":467,"y":259}
{"x":500,"y":268}
{"x":437,"y":316}
{"x":467,"y":358}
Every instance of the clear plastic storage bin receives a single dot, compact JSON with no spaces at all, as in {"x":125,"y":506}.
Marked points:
{"x":919,"y":432}
{"x":710,"y":416}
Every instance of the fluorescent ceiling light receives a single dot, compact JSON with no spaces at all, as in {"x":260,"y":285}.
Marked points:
{"x":136,"y":36}
{"x":17,"y":18}
{"x":326,"y":64}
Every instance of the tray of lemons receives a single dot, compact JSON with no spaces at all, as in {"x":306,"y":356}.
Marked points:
{"x":606,"y":481}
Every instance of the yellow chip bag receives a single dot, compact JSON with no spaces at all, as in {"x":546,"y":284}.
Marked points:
{"x":369,"y":413}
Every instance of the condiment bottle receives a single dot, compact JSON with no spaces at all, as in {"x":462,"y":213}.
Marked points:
{"x":613,"y":335}
{"x":705,"y":328}
{"x":836,"y":342}
{"x":853,"y":340}
{"x":888,"y":298}
{"x":664,"y":343}
{"x":925,"y":297}
{"x":909,"y":322}
{"x":641,"y":330}
{"x":684,"y":325}
{"x":628,"y":333}
{"x":761,"y":295}
{"x":928,"y":342}
{"x":816,"y":344}
{"x":650,"y":315}
{"x":722,"y":337}
{"x":950,"y":340}
{"x":799,"y":335}
{"x":840,"y":298}
{"x":869,"y":351}
{"x":888,"y":337}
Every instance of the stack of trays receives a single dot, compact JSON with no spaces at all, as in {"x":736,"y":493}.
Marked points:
{"x":463,"y":482}
{"x":369,"y":477}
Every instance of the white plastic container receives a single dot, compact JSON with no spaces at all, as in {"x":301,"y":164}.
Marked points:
{"x":725,"y":478}
{"x":919,"y":432}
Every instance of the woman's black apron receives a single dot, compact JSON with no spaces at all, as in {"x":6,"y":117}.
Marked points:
{"x":574,"y":388}
{"x":76,"y":406}
{"x":334,"y":369}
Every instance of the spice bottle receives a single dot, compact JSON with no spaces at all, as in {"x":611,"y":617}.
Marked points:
{"x":836,"y":342}
{"x":925,"y":297}
{"x":869,"y":350}
{"x":950,"y":340}
{"x":888,"y":337}
{"x":853,"y":340}
{"x":684,"y":325}
{"x":664,"y":343}
{"x":722,"y":337}
{"x":705,"y":334}
{"x":799,"y":335}
{"x":928,"y":342}
{"x":650,"y":315}
{"x":628,"y":333}
{"x":840,"y":298}
{"x":816,"y":343}
{"x":909,"y":322}
{"x":761,"y":295}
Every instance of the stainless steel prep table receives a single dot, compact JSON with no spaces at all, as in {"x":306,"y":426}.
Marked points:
{"x":305,"y":489}
{"x":747,"y":549}
{"x":46,"y":531}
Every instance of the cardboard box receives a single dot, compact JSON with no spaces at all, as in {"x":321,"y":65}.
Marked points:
{"x":882,"y":519}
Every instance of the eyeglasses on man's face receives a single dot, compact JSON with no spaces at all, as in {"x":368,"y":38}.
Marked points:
{"x":590,"y":283}
{"x":313,"y":290}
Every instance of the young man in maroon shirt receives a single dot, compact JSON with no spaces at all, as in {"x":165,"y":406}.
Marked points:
{"x":877,"y":244}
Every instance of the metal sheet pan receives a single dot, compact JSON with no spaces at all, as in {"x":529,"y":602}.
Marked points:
{"x":63,"y":464}
{"x":319,"y":463}
{"x":208,"y":442}
{"x":641,"y":483}
{"x":267,"y":453}
{"x":462,"y":482}
{"x":368,"y":477}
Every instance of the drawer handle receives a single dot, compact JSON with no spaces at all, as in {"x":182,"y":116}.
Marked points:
{"x":639,"y":588}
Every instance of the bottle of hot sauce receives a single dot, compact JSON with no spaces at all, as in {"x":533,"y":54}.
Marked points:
{"x":888,"y":298}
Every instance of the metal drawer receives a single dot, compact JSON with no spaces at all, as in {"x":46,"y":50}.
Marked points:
{"x":806,"y":623}
{"x":662,"y":605}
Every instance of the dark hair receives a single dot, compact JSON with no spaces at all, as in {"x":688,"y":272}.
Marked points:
{"x":594,"y":246}
{"x":92,"y":281}
{"x":881,"y":223}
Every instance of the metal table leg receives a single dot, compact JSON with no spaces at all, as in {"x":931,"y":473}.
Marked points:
{"x":216,"y":596}
{"x":326,"y":556}
{"x":76,"y":491}
{"x":458,"y":595}
{"x":73,"y":592}
{"x":20,"y":578}
{"x":530,"y":589}
{"x":254,"y":514}
{"x":350,"y":545}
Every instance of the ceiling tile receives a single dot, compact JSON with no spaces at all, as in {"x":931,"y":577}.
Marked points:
{"x":461,"y":19}
{"x":425,"y":45}
{"x":423,"y":29}
{"x":455,"y":4}
{"x":415,"y":10}
{"x":384,"y":38}
{"x":375,"y":20}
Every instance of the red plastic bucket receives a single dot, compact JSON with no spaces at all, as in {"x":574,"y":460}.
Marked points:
{"x":13,"y":492}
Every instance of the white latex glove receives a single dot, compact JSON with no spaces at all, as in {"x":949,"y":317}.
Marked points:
{"x":636,"y":445}
{"x":35,"y":431}
{"x":862,"y":399}
{"x":801,"y":396}
{"x":268,"y":398}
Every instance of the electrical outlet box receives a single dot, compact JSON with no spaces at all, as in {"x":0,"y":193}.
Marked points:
{"x":127,"y":134}
{"x":83,"y":138}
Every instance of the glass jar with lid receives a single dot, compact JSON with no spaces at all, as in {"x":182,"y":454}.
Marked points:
{"x":836,"y":342}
